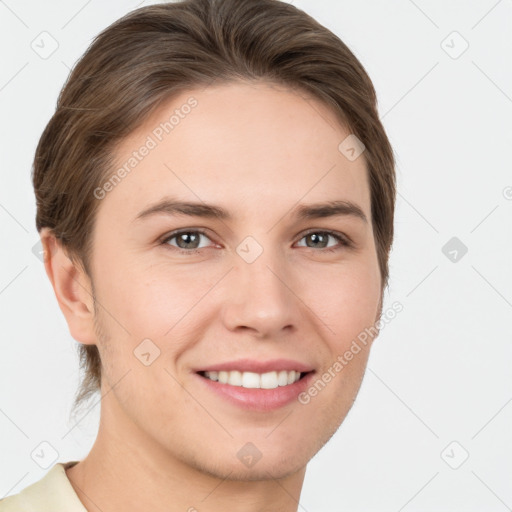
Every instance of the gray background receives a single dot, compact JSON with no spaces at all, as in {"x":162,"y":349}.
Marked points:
{"x":430,"y":429}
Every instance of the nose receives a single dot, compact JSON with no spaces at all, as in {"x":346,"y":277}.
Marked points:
{"x":259,"y":297}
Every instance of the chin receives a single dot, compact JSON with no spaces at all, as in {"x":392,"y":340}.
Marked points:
{"x":268,"y":470}
{"x":276,"y":466}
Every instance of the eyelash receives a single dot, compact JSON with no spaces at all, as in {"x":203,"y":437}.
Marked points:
{"x":343,"y":241}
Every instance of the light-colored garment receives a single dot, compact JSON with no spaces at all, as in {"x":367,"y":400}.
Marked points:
{"x":52,"y":493}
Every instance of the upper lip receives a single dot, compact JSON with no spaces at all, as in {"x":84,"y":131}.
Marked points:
{"x":251,"y":365}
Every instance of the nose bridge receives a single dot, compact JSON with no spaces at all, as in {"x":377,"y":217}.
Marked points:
{"x":260,"y":295}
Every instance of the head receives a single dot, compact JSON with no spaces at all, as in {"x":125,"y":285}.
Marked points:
{"x":251,"y":107}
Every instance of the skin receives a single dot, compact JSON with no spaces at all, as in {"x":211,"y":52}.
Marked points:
{"x":165,"y":442}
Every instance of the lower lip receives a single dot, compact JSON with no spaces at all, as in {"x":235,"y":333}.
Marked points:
{"x":256,"y":399}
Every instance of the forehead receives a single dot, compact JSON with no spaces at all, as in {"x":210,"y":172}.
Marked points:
{"x":241,"y":144}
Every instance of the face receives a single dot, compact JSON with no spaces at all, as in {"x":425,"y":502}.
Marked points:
{"x":210,"y":313}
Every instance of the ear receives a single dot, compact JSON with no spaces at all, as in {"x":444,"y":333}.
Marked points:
{"x":72,"y":287}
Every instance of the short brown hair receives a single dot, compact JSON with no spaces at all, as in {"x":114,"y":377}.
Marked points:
{"x":155,"y":52}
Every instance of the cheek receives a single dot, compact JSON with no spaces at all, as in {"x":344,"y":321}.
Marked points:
{"x":347,"y":300}
{"x":149,"y":297}
{"x":169,"y":306}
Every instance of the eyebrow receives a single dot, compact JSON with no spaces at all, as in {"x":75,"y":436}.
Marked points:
{"x":170,"y":206}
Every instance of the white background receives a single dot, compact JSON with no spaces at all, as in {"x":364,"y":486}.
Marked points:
{"x":439,"y":372}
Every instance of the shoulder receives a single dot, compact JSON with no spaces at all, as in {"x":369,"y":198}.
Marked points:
{"x":52,"y":493}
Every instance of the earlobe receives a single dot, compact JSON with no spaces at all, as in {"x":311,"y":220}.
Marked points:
{"x":72,"y":288}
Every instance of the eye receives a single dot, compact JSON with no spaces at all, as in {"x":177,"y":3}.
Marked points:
{"x":187,"y":241}
{"x":319,"y":239}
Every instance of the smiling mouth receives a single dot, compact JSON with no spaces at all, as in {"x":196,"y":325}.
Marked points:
{"x":252,"y":380}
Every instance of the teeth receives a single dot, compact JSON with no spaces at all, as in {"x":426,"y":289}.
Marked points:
{"x":282,"y":378}
{"x":269,"y":380}
{"x":251,"y":380}
{"x":234,"y":378}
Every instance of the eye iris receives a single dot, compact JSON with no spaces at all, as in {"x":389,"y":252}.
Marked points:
{"x":190,"y":239}
{"x":317,"y":237}
{"x":187,"y":237}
